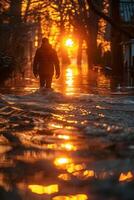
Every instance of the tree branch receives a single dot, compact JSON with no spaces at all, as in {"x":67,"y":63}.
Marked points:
{"x":109,"y":20}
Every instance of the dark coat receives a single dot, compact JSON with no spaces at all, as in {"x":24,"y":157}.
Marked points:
{"x":46,"y":61}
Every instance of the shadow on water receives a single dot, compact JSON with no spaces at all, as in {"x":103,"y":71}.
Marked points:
{"x":73,"y":143}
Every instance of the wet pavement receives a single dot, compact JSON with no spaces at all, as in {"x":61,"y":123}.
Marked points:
{"x":73,"y":143}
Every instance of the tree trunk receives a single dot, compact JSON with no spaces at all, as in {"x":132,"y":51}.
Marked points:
{"x":116,"y":48}
{"x":92,"y":39}
{"x":79,"y":53}
{"x":15,"y":11}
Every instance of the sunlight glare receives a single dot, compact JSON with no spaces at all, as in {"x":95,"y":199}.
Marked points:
{"x":69,"y":42}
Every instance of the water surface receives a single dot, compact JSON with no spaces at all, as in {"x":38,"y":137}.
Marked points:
{"x":72,"y":143}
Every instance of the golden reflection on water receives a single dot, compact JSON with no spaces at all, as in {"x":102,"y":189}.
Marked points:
{"x":89,"y":173}
{"x":64,"y":137}
{"x":75,"y":167}
{"x":52,"y":125}
{"x":72,"y":121}
{"x":69,"y":73}
{"x":75,"y":80}
{"x":83,"y":175}
{"x":70,"y":128}
{"x":40,"y":189}
{"x":69,"y":81}
{"x":69,"y":147}
{"x":69,"y":77}
{"x":65,"y":177}
{"x":126,"y":176}
{"x":66,"y":146}
{"x":71,"y":197}
{"x":62,"y":161}
{"x":77,"y":170}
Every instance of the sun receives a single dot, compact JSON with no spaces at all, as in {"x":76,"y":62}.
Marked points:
{"x":69,"y":42}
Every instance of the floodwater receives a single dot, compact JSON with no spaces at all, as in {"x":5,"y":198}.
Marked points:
{"x":73,"y":143}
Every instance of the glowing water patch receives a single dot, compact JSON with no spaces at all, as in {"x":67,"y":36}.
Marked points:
{"x":69,"y":147}
{"x":64,"y":177}
{"x":64,"y":137}
{"x":72,"y":197}
{"x":55,"y":125}
{"x":62,"y":161}
{"x":126,"y":177}
{"x":69,"y":72}
{"x":89,"y":173}
{"x":73,"y":168}
{"x":40,"y":189}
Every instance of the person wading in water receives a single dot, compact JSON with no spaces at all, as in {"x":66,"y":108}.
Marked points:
{"x":45,"y":63}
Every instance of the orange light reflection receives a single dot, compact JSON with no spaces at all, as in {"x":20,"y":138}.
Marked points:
{"x":72,"y":197}
{"x":64,"y":177}
{"x":66,"y":146}
{"x":89,"y":173}
{"x":72,"y":167}
{"x":52,"y":125}
{"x":126,"y":176}
{"x":65,"y":137}
{"x":40,"y":189}
{"x":62,"y":161}
{"x":69,"y":81}
{"x":69,"y":147}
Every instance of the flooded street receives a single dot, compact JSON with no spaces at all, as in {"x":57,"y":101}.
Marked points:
{"x":73,"y":143}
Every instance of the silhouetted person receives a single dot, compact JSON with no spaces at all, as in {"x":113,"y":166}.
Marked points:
{"x":45,"y":63}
